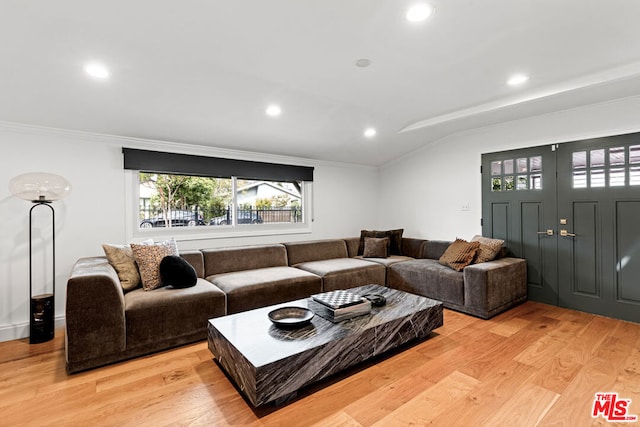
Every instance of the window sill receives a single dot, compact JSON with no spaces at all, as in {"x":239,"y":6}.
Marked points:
{"x":221,"y":232}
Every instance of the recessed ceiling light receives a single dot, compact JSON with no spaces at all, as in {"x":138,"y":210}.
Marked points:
{"x":273,"y":110}
{"x":96,"y":70}
{"x":517,"y":79}
{"x":419,"y":12}
{"x":363,"y":62}
{"x":370,"y":132}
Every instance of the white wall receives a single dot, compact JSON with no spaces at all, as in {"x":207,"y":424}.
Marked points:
{"x":345,"y":200}
{"x":428,"y":188}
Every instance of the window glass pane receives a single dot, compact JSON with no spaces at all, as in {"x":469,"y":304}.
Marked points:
{"x":580,"y":179}
{"x":580,"y":160}
{"x":616,"y":156}
{"x":616,"y":177}
{"x":634,"y":175}
{"x":496,"y":168}
{"x":268,"y":202}
{"x":496,"y":184}
{"x":508,"y":167}
{"x":536,"y":163}
{"x":597,"y":178}
{"x":522,"y":165}
{"x":508,"y":183}
{"x":634,"y":154}
{"x":535,"y":182}
{"x":597,"y":158}
{"x":181,"y":201}
{"x":522,"y":182}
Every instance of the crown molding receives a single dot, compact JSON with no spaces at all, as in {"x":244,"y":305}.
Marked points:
{"x":171,"y":146}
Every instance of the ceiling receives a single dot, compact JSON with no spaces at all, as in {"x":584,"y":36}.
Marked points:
{"x":203,"y":72}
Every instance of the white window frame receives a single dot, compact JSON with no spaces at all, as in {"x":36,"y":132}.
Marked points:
{"x":134,"y":232}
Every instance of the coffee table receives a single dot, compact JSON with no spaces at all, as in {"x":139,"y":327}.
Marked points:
{"x":270,"y":364}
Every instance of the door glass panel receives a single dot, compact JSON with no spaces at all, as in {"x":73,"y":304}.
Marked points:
{"x":616,"y":177}
{"x":496,"y":168}
{"x":536,"y":163}
{"x":634,"y":154}
{"x":579,"y":179}
{"x":616,"y":156}
{"x":496,"y":184}
{"x":522,"y":165}
{"x":597,"y":178}
{"x":536,"y":182}
{"x":597,"y":158}
{"x":508,"y":167}
{"x":522,"y":182}
{"x":634,"y":176}
{"x":580,"y":160}
{"x":508,"y":183}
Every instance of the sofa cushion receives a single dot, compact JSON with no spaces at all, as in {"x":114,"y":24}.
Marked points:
{"x":299,"y":252}
{"x":429,"y":278}
{"x":177,"y":272}
{"x":391,"y":259}
{"x":488,"y":250}
{"x":345,"y":273}
{"x":459,"y":254}
{"x":148,"y":258}
{"x":226,"y":260}
{"x":434,"y":249}
{"x":375,"y":247}
{"x":251,"y":289}
{"x":167,"y":313}
{"x":395,"y":239}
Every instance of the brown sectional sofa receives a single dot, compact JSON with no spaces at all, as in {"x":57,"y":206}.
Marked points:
{"x":105,"y":325}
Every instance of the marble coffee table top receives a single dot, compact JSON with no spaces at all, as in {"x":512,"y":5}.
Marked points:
{"x":262,"y":343}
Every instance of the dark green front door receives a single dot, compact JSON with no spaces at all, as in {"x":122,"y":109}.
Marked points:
{"x":519,"y":207}
{"x":579,"y":229}
{"x":599,"y":223}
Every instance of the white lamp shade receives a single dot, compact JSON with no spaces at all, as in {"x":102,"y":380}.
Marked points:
{"x":39,"y":187}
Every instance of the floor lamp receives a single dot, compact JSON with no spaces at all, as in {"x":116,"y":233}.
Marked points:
{"x":41,"y":189}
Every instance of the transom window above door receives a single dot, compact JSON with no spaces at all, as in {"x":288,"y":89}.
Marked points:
{"x":606,"y":167}
{"x":524,"y":173}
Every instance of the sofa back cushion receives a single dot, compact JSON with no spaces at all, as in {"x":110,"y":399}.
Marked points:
{"x":227,"y":260}
{"x":318,"y":250}
{"x":196,"y":260}
{"x":413,"y":247}
{"x":434,"y":249}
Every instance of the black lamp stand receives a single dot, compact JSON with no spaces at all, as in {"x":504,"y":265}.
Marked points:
{"x":42,"y":307}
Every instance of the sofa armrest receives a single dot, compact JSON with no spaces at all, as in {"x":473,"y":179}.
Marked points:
{"x":95,"y":319}
{"x":490,"y":287}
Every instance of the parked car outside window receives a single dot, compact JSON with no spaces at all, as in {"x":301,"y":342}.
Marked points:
{"x":179,"y":218}
{"x":244,"y":217}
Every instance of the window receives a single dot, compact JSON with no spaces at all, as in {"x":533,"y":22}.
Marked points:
{"x":600,"y":167}
{"x":187,"y":201}
{"x":517,"y":174}
{"x":196,"y":194}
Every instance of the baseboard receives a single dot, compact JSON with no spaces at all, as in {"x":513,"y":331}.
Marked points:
{"x":21,"y":330}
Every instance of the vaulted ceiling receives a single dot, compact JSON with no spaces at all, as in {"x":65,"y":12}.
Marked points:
{"x":204,"y":71}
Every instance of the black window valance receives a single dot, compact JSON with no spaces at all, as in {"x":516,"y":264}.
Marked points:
{"x":187,"y":164}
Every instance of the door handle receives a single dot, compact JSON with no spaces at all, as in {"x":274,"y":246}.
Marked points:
{"x":548,"y":232}
{"x":565,"y":233}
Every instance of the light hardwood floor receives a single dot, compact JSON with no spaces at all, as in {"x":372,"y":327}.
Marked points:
{"x":534,"y":365}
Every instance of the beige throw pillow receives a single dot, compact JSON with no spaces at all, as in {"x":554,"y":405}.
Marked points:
{"x":459,"y":254}
{"x":121,"y":259}
{"x":148,"y":258}
{"x":488,"y":250}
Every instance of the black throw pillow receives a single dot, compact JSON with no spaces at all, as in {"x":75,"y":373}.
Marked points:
{"x":175,"y":271}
